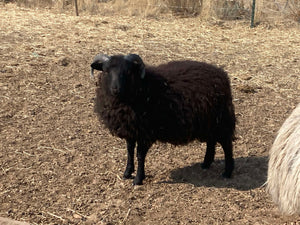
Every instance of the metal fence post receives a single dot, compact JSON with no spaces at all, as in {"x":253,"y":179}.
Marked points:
{"x":252,"y":14}
{"x":76,"y":8}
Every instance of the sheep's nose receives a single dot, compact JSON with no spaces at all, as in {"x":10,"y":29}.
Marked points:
{"x":114,"y":90}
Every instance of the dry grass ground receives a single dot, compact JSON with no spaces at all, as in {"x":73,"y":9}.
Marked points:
{"x":269,"y":11}
{"x":58,"y":165}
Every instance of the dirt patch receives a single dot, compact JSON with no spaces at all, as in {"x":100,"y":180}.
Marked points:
{"x":58,"y":165}
{"x":6,"y":221}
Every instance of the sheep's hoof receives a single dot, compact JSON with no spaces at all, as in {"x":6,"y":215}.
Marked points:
{"x":127,"y":176}
{"x":127,"y":173}
{"x":137,"y":182}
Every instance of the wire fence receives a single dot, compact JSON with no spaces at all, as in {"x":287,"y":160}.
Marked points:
{"x":251,"y":10}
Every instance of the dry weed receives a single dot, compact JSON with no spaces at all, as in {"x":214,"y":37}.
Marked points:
{"x":270,"y":11}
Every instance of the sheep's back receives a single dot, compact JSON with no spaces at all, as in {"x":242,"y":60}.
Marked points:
{"x":206,"y":103}
{"x":195,"y":78}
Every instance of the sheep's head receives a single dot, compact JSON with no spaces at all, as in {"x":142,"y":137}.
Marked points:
{"x":123,"y":72}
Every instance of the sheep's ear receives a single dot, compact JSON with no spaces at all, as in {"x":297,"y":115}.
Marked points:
{"x":97,"y":63}
{"x":136,"y":59}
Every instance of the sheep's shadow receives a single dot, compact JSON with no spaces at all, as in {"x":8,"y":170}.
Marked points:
{"x":249,"y":173}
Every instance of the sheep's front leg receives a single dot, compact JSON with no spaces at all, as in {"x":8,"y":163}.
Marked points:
{"x":142,"y":150}
{"x":130,"y":159}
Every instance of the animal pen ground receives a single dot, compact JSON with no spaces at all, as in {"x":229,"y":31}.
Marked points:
{"x":58,"y":165}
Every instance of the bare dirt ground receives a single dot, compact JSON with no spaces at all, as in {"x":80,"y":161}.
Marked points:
{"x":58,"y":165}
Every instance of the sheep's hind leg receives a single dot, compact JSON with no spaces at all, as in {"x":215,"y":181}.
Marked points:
{"x":142,"y":150}
{"x":229,"y":161}
{"x":209,"y":155}
{"x":130,"y":159}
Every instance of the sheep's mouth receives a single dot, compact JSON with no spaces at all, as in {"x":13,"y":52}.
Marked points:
{"x":115,"y":92}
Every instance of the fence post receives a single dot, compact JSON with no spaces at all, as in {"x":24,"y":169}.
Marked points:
{"x":76,"y":8}
{"x":252,"y":14}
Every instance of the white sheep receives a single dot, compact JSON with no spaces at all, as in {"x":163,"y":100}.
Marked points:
{"x":283,"y":182}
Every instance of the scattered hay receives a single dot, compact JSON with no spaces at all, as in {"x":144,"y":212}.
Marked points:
{"x":247,"y":89}
{"x":58,"y":165}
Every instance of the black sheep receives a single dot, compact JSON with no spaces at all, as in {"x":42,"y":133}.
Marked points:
{"x":176,"y":102}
